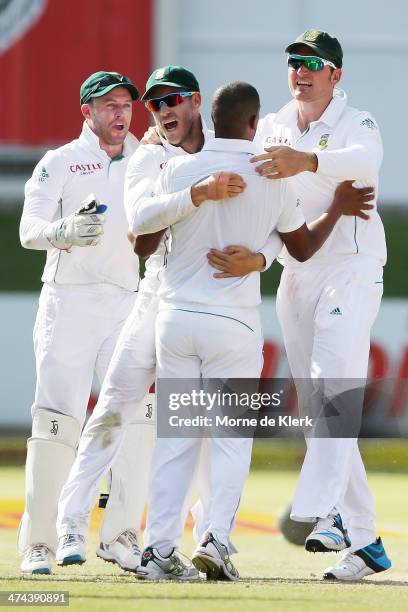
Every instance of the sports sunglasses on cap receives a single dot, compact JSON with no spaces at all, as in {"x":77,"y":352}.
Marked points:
{"x":110,"y":79}
{"x":311,"y":62}
{"x":171,"y":99}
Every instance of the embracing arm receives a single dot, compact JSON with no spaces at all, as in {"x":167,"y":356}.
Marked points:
{"x":359,"y":160}
{"x":348,"y":200}
{"x":162,"y":208}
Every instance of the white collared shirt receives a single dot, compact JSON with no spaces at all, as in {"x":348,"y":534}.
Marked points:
{"x":143,"y":170}
{"x":245,"y":220}
{"x":62,"y":179}
{"x":348,"y":146}
{"x":148,"y":213}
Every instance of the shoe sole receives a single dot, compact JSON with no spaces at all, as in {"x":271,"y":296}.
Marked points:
{"x":115,"y":562}
{"x":213,"y":569}
{"x":315,"y":546}
{"x":71,"y":560}
{"x":41,"y":570}
{"x":357,"y":578}
{"x":167,"y":578}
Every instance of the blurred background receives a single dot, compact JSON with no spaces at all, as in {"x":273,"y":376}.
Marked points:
{"x":48,"y":47}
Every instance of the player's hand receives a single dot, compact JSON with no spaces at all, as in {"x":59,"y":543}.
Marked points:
{"x":283,"y":161}
{"x":219,"y":186}
{"x":151,"y":137}
{"x":132,"y":238}
{"x":235,"y":261}
{"x":83,"y":228}
{"x":353,"y":200}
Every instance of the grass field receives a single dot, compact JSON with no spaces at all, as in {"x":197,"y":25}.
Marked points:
{"x":275,"y":574}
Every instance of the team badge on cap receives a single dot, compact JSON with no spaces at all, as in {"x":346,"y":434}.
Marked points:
{"x":311,"y":35}
{"x":159,"y":73}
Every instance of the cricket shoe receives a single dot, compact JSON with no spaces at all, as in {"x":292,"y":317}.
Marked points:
{"x":124,"y":551}
{"x":328,"y":535}
{"x":212,"y":558}
{"x":71,"y":550}
{"x":371,"y":559}
{"x":155,"y":567}
{"x":36,"y":560}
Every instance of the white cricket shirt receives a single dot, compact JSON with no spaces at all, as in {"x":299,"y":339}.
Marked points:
{"x":246,"y":220}
{"x":348,"y":146}
{"x":61,"y":181}
{"x":147,"y":212}
{"x":144,"y":168}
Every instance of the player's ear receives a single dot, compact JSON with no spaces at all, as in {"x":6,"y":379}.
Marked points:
{"x":336,"y":75}
{"x":253,"y":121}
{"x":85,"y":111}
{"x":196,"y":100}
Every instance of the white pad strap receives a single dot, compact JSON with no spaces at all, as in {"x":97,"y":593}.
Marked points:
{"x":49,"y":425}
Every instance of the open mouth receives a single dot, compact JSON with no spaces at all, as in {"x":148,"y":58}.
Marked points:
{"x":119,"y":127}
{"x":303,"y":84}
{"x":170,"y":126}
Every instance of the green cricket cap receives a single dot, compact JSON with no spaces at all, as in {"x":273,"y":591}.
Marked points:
{"x":175,"y":76}
{"x":100,"y":83}
{"x":323,"y":45}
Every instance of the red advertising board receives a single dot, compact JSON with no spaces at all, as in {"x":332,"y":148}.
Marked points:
{"x":48,"y":48}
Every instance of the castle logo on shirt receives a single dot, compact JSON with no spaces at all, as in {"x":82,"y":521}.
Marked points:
{"x":277,"y":140}
{"x":323,"y":141}
{"x":85,"y":168}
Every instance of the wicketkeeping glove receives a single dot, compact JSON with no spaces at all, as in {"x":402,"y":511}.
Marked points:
{"x":83,"y":228}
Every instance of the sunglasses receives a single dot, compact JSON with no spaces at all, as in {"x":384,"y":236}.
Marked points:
{"x":311,"y":62}
{"x":110,"y":79}
{"x":171,"y":99}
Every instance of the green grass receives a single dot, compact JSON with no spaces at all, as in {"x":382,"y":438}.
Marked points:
{"x":275,"y":574}
{"x":382,"y":455}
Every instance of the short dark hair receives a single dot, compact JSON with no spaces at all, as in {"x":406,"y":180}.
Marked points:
{"x":233,"y":108}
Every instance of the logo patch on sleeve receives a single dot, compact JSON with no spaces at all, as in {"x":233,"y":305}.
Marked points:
{"x":42,"y":175}
{"x":369,"y":123}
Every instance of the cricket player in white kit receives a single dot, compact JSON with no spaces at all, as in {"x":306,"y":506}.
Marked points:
{"x":90,"y":284}
{"x":132,"y":368}
{"x":327,"y":305}
{"x":211,"y":328}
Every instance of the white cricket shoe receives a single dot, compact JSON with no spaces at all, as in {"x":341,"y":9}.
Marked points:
{"x":328,"y":535}
{"x":124,"y":551}
{"x":71,"y":550}
{"x":36,"y":560}
{"x":155,"y":567}
{"x":371,"y":559}
{"x":212,"y":558}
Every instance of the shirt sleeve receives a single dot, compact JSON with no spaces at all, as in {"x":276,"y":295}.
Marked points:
{"x":271,"y":249}
{"x":360,"y":159}
{"x":43,"y":194}
{"x":152,"y":207}
{"x":291,"y":215}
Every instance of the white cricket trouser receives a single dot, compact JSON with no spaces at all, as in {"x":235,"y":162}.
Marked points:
{"x":326,"y":313}
{"x":121,"y":401}
{"x":75,"y":333}
{"x":190,"y":345}
{"x":130,"y":374}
